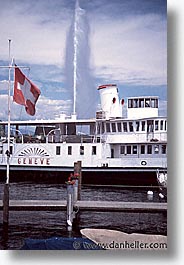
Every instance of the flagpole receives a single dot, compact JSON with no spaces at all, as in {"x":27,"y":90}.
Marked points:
{"x":6,"y":186}
{"x":9,"y":117}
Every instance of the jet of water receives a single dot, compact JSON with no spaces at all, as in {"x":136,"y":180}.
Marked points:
{"x":79,"y":79}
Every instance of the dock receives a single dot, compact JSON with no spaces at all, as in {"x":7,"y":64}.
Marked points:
{"x":74,"y":205}
{"x":105,"y":206}
{"x":114,"y":206}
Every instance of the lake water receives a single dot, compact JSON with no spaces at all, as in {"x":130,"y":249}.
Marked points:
{"x":45,"y":224}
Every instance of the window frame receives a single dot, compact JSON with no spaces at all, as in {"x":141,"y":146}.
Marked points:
{"x":81,"y":149}
{"x":94,"y":150}
{"x":70,"y":150}
{"x":58,"y":150}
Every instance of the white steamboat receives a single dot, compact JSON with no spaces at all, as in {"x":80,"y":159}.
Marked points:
{"x":109,"y":142}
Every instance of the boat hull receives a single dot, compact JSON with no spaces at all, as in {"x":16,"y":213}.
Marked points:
{"x":89,"y":176}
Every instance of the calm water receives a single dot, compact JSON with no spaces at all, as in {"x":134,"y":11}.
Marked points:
{"x":45,"y":224}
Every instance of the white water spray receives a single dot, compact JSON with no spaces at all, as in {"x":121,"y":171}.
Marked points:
{"x":79,"y":80}
{"x":75,"y":42}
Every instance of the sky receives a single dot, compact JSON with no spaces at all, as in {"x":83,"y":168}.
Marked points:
{"x":127,"y":42}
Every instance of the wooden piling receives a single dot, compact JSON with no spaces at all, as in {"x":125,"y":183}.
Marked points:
{"x":6,"y":204}
{"x":75,"y":190}
{"x":78,"y":171}
{"x":69,"y":204}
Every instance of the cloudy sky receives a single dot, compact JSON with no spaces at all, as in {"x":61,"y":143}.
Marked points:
{"x":127,"y":46}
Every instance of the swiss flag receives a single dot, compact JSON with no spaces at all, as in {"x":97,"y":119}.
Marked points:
{"x":25,"y":92}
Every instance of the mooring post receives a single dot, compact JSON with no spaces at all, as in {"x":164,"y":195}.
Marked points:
{"x":75,"y":189}
{"x":69,"y":204}
{"x":78,"y":172}
{"x":6,"y":204}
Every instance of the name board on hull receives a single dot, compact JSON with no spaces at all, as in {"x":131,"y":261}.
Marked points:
{"x":33,"y":156}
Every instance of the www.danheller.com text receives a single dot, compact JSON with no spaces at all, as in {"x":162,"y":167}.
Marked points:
{"x":120,"y":245}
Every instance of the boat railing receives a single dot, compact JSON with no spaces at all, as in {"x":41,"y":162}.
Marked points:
{"x":24,"y":139}
{"x":80,"y":138}
{"x":4,"y":140}
{"x":70,"y":139}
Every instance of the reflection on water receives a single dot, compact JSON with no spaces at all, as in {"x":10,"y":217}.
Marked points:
{"x":45,"y":224}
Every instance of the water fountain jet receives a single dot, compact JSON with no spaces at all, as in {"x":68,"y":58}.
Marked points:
{"x":79,"y":80}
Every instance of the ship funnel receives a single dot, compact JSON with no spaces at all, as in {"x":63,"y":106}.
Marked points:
{"x":110,"y":103}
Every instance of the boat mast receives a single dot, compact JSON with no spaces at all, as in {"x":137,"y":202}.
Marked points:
{"x":9,"y":117}
{"x":6,"y":185}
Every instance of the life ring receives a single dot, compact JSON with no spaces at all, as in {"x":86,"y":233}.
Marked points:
{"x":143,"y":163}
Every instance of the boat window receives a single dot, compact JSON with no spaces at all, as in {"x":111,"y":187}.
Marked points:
{"x":11,"y":150}
{"x":134,"y":149}
{"x":108,"y":127}
{"x":156,"y":149}
{"x":130,"y":103}
{"x":143,"y":125}
{"x":149,"y":149}
{"x":137,"y":126}
{"x":141,"y":103}
{"x":142,"y":149}
{"x":2,"y":130}
{"x":112,"y":153}
{"x":153,"y":103}
{"x":150,"y":126}
{"x":72,"y":128}
{"x":98,"y":128}
{"x":113,"y":125}
{"x":128,"y":149}
{"x":103,"y":127}
{"x":156,"y":103}
{"x":135,"y":103}
{"x":69,"y":150}
{"x":119,"y":127}
{"x":165,"y":125}
{"x":125,"y":127}
{"x":122,"y":150}
{"x":147,"y":102}
{"x":164,"y":149}
{"x":131,"y":126}
{"x":156,"y":125}
{"x":58,"y":150}
{"x":81,"y":150}
{"x":93,"y":150}
{"x":161,"y":125}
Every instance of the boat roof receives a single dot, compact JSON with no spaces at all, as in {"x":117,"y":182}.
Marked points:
{"x":143,"y":97}
{"x":55,"y":121}
{"x":107,"y":85}
{"x":76,"y":121}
